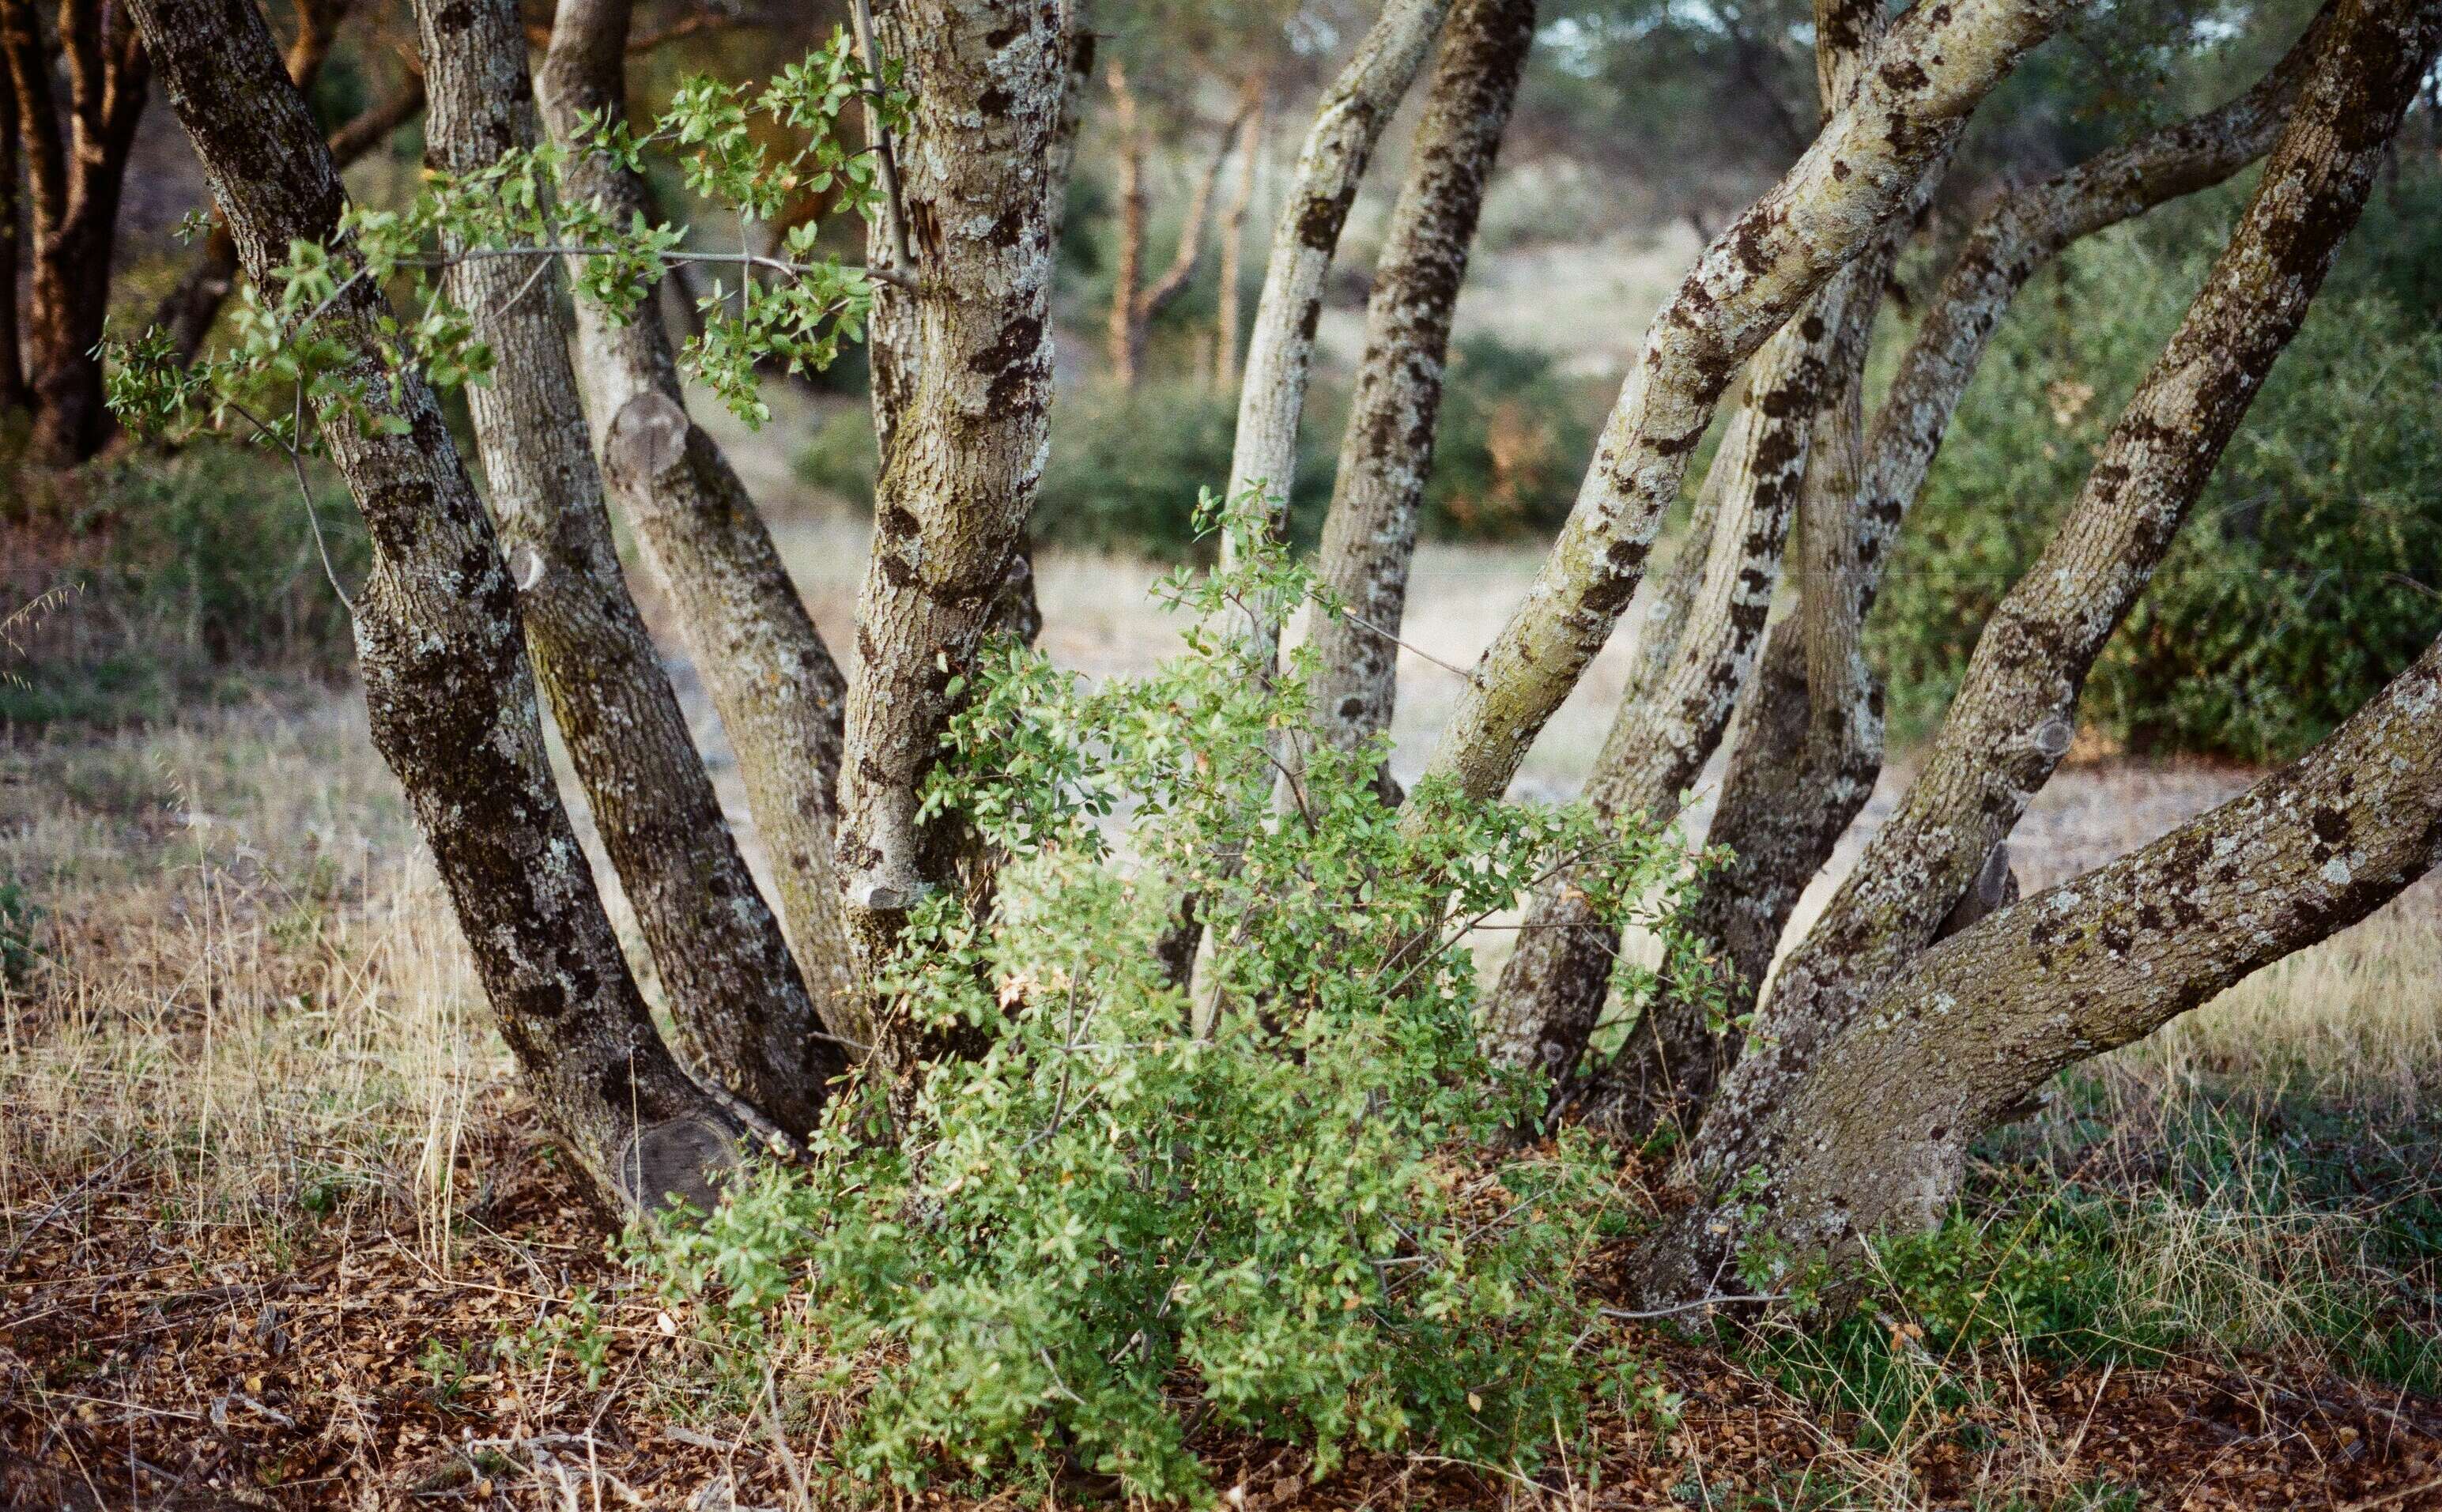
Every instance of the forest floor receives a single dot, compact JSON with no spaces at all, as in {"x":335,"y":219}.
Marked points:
{"x":277,"y":1230}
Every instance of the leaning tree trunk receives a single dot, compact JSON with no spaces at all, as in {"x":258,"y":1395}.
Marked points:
{"x":1280,"y":350}
{"x":75,"y":174}
{"x":1938,"y":64}
{"x":735,"y":994}
{"x":446,"y":687}
{"x":1671,"y":720}
{"x":1386,"y":453}
{"x":189,"y":310}
{"x":1810,"y":748}
{"x":1801,"y":385}
{"x":1876,"y":1136}
{"x":966,"y":456}
{"x":780,"y":696}
{"x":2010,"y":724}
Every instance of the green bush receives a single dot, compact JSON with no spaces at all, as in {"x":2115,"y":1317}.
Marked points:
{"x":1107,"y":1226}
{"x":2310,"y":571}
{"x":1126,"y":465}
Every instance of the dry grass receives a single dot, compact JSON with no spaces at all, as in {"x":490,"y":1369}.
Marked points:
{"x":252,"y":994}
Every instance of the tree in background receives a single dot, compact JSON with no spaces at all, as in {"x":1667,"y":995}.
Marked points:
{"x":75,"y":142}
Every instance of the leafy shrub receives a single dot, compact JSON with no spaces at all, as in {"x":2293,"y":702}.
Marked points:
{"x":2310,"y":571}
{"x":1126,"y":465}
{"x":1293,"y":1219}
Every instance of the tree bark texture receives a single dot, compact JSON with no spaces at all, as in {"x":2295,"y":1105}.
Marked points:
{"x":965,"y":460}
{"x":1386,"y":454}
{"x":446,"y":687}
{"x":74,"y":176}
{"x":734,"y":990}
{"x":1553,"y":988}
{"x":2011,"y":722}
{"x":1876,"y":1138}
{"x":780,"y":696}
{"x":1810,"y":751}
{"x":191,"y":308}
{"x":1939,"y":62}
{"x":1280,"y":349}
{"x":1800,"y":384}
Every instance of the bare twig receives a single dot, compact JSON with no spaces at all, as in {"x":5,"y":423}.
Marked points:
{"x":886,"y":158}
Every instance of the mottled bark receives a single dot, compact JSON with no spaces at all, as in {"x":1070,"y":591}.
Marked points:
{"x":2015,"y":239}
{"x":446,"y":687}
{"x":74,"y":176}
{"x":780,"y":696}
{"x":735,"y":992}
{"x":1386,"y":454}
{"x":1280,"y":349}
{"x":1226,"y":319}
{"x":1938,"y":64}
{"x":1876,"y":1138}
{"x":189,"y":310}
{"x":1553,"y":990}
{"x":1673,"y":717}
{"x":1810,"y":751}
{"x":2012,"y":720}
{"x":967,"y":455}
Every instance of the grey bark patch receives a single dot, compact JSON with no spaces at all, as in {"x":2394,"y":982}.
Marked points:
{"x":647,"y":437}
{"x":676,"y":1158}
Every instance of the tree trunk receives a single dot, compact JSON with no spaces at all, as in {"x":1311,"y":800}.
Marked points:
{"x":1280,"y":350}
{"x":13,"y":393}
{"x":1553,"y":988}
{"x":446,"y":687}
{"x":1876,"y":1136}
{"x":75,"y":178}
{"x":2011,"y":722}
{"x":189,"y":310}
{"x":1183,"y":262}
{"x":1280,"y":353}
{"x":966,"y":456}
{"x":779,"y":694}
{"x":1801,"y":391}
{"x":1225,"y":318}
{"x":1939,"y":62}
{"x":1810,"y":752}
{"x":1123,"y":338}
{"x":735,"y":992}
{"x":1385,"y":453}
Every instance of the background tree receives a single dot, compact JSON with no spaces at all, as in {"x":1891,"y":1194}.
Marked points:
{"x":75,"y":142}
